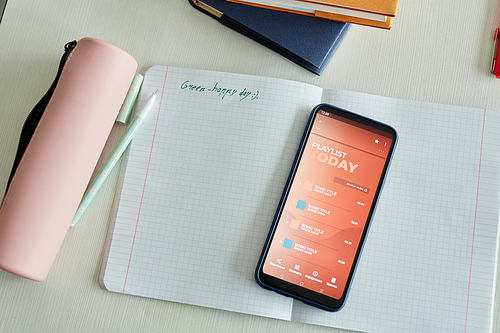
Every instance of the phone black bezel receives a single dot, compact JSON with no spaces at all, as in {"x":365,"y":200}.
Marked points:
{"x":289,"y":289}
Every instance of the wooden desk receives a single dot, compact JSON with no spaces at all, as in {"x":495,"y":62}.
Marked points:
{"x":437,"y":51}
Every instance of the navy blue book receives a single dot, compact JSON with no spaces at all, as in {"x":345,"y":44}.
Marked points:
{"x":309,"y":42}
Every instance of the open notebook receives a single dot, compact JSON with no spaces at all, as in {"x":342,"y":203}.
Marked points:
{"x":201,"y":181}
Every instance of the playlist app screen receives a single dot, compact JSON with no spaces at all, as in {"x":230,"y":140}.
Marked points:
{"x":324,"y":215}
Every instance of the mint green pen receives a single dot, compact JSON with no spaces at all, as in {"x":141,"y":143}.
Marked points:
{"x":113,"y":158}
{"x":133,"y":91}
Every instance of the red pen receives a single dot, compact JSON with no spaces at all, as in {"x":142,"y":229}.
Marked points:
{"x":495,"y":66}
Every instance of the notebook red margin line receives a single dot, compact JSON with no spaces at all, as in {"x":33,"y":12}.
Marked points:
{"x":145,"y":179}
{"x":475,"y":219}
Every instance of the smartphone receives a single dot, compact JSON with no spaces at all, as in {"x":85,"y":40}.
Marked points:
{"x":323,"y":217}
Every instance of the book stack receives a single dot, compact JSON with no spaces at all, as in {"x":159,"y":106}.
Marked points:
{"x":309,"y":39}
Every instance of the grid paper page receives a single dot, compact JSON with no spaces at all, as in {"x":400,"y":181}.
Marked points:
{"x":429,"y":260}
{"x":428,"y":264}
{"x":201,"y":184}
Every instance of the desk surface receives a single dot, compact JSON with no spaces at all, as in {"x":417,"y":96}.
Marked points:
{"x":437,"y":51}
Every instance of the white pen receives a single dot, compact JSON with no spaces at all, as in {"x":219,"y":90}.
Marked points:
{"x":113,"y":158}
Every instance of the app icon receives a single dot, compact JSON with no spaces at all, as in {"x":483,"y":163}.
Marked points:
{"x":294,"y":224}
{"x":301,"y":205}
{"x":308,"y":186}
{"x":287,"y":243}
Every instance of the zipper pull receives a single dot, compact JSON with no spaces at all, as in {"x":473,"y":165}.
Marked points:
{"x":69,"y":46}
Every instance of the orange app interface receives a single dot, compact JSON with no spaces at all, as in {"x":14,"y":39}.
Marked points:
{"x":328,"y":205}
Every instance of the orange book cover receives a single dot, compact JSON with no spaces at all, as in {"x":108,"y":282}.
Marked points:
{"x":355,"y":20}
{"x":387,"y":8}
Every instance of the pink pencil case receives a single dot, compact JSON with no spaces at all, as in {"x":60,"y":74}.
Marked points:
{"x":60,"y":145}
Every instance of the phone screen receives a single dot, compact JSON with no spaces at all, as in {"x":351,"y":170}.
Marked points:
{"x":324,"y":214}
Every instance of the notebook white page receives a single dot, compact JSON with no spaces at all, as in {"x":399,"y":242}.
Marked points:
{"x":429,"y":260}
{"x":203,"y":178}
{"x":204,"y":175}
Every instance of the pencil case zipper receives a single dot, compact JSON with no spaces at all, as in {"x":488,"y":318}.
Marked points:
{"x":36,"y":113}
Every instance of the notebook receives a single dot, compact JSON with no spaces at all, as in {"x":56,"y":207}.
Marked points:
{"x":201,"y":181}
{"x":307,"y":41}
